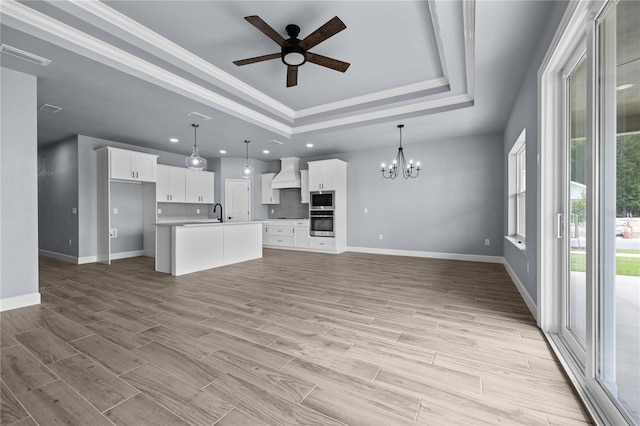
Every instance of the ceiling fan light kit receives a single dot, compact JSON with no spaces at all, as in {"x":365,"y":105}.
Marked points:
{"x":295,"y":52}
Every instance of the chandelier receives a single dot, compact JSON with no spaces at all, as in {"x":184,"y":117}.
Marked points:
{"x":194,"y":161}
{"x":247,"y":169}
{"x":399,"y":165}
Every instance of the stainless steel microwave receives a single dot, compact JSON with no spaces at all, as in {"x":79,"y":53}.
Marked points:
{"x":322,"y":200}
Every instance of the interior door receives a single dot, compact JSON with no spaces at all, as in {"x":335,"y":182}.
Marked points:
{"x":237,"y":200}
{"x":573,"y":226}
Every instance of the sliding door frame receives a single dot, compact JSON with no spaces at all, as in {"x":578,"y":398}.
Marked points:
{"x":578,"y":25}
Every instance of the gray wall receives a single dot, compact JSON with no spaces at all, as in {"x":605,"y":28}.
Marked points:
{"x":18,"y":184}
{"x":87,"y":225}
{"x":452,"y":207}
{"x":57,"y":197}
{"x":127,"y":199}
{"x":524,"y":115}
{"x":230,"y":169}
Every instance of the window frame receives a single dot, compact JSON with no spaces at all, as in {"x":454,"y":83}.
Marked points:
{"x":517,"y":185}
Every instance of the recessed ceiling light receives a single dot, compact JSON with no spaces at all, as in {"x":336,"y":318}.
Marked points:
{"x":265,"y":151}
{"x":624,"y":86}
{"x":173,"y":140}
{"x":309,"y":145}
{"x":222,"y":151}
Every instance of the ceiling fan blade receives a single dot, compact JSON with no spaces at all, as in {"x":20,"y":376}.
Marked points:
{"x":257,"y":22}
{"x":258,"y":59}
{"x":331,"y":28}
{"x":334,"y":64}
{"x":292,"y":76}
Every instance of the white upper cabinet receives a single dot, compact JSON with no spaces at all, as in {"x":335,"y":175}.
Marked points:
{"x":170,"y":187}
{"x":326,"y":175}
{"x":269,"y":195}
{"x":199,"y":187}
{"x":132,"y":165}
{"x":304,"y":186}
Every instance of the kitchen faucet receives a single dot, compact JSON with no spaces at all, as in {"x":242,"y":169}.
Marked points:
{"x":215,"y":207}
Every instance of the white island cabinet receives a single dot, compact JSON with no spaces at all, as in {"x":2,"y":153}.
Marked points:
{"x":186,"y":247}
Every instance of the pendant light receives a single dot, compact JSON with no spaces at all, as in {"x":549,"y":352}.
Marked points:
{"x":400,"y":164}
{"x":194,"y":161}
{"x":247,"y":169}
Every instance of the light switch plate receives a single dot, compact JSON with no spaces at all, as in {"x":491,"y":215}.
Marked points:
{"x":113,"y":233}
{"x":115,"y":210}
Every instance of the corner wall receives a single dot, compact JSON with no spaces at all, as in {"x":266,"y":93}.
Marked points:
{"x":18,"y":190}
{"x":448,"y":211}
{"x":57,"y":197}
{"x":524,"y":115}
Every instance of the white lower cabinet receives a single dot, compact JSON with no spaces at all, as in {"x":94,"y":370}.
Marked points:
{"x":301,"y":234}
{"x":322,"y":243}
{"x":286,"y":233}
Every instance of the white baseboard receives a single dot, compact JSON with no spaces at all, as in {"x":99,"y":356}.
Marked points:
{"x":90,"y":259}
{"x":59,"y":256}
{"x":19,"y":301}
{"x":533,"y":307}
{"x":127,"y":254}
{"x":429,"y":254}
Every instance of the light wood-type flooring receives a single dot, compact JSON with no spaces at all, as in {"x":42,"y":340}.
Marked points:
{"x":292,"y":338}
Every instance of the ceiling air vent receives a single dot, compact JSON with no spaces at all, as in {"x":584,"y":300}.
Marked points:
{"x":276,"y":142}
{"x":35,"y":59}
{"x":199,"y":116}
{"x":50,"y":108}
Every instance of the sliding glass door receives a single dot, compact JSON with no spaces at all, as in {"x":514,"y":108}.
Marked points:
{"x":589,"y":204}
{"x":618,"y":284}
{"x":573,"y":220}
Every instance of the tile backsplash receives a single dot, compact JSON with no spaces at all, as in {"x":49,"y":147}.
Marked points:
{"x":181,"y":211}
{"x":290,"y":206}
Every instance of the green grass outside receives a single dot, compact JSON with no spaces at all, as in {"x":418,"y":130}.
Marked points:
{"x":629,"y":266}
{"x":628,"y":251}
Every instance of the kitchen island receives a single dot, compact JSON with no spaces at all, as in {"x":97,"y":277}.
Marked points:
{"x":186,"y":247}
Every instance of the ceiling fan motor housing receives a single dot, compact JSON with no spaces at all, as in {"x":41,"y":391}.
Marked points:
{"x":292,"y":54}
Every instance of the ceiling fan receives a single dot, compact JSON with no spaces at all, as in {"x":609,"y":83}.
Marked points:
{"x":295,"y":52}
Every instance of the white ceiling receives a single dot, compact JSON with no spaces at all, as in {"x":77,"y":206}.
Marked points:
{"x":130,"y":70}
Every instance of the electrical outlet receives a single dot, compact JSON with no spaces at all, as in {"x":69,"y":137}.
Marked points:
{"x":380,"y":236}
{"x":159,"y":211}
{"x":115,"y":210}
{"x":74,"y":210}
{"x":69,"y":241}
{"x":197,"y":211}
{"x":272,"y":211}
{"x":366,"y":210}
{"x":113,"y":233}
{"x":487,"y":242}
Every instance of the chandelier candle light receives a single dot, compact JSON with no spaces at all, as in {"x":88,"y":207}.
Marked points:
{"x":194,"y":161}
{"x":408,"y":170}
{"x":247,"y":169}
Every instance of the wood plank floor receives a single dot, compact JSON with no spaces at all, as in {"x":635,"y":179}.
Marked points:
{"x":292,"y":338}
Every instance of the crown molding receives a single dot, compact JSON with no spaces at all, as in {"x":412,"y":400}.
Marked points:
{"x":371,"y":98}
{"x":447,"y":103}
{"x":110,"y":20}
{"x":32,"y":22}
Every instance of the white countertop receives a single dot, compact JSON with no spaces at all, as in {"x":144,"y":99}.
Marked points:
{"x":210,"y":222}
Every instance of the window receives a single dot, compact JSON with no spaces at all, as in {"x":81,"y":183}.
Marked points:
{"x":517,"y":224}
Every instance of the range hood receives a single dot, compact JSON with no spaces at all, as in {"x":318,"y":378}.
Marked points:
{"x":289,"y":176}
